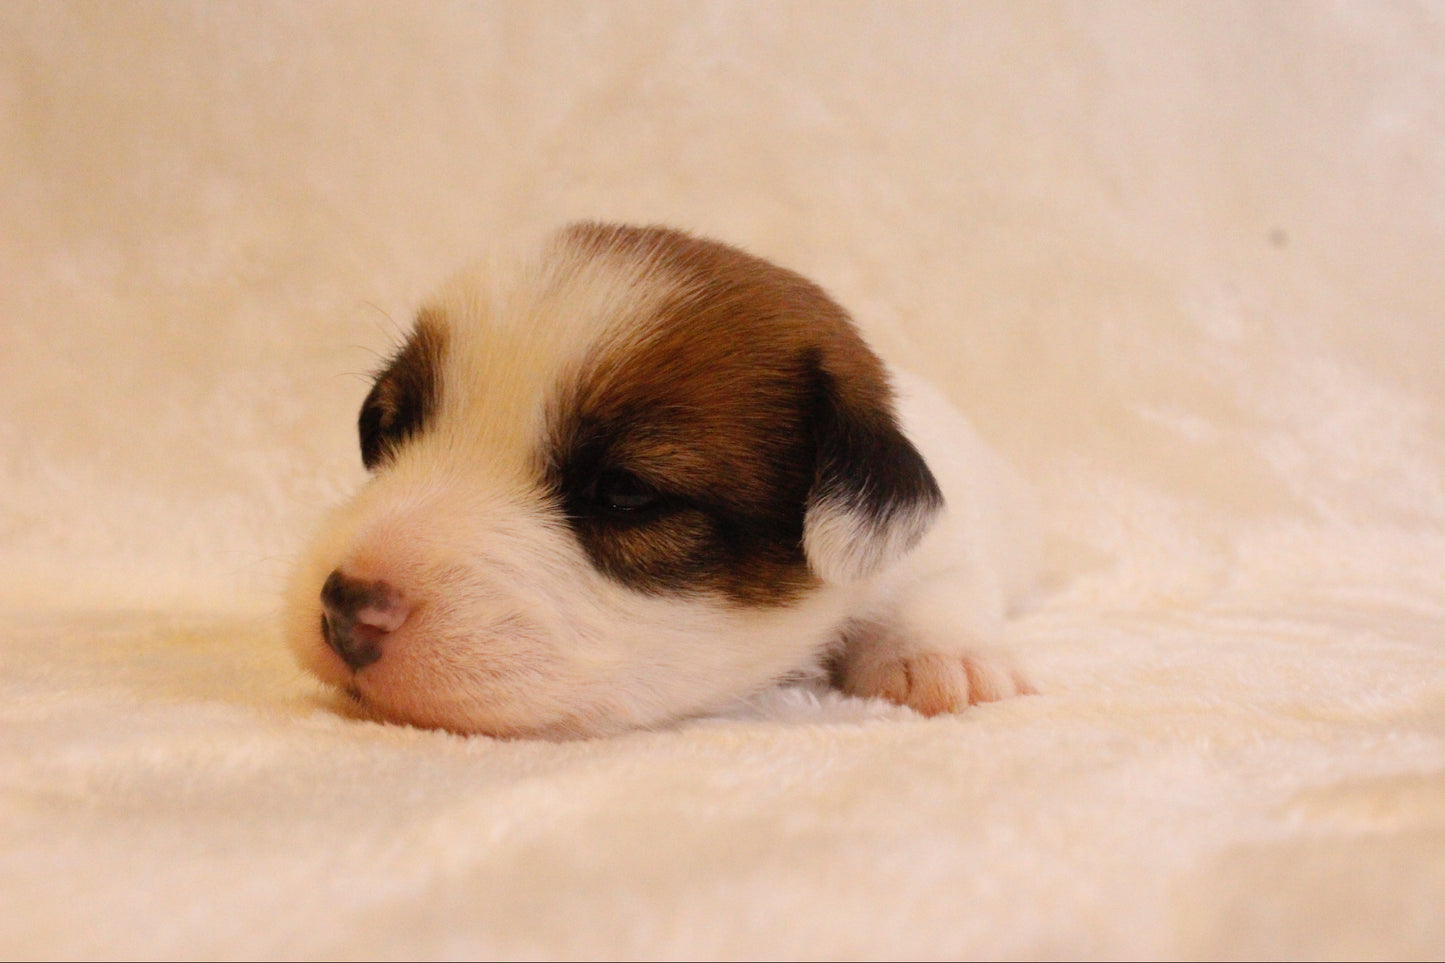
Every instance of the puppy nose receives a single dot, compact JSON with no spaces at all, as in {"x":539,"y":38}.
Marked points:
{"x":358,"y":616}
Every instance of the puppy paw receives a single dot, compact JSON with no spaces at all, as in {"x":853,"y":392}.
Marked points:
{"x":935,"y":682}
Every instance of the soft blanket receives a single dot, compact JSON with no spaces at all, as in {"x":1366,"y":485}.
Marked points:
{"x":1181,"y":262}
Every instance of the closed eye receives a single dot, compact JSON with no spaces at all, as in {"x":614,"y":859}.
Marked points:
{"x":597,"y":485}
{"x":620,"y":492}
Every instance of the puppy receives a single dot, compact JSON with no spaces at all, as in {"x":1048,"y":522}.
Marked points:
{"x":644,"y":476}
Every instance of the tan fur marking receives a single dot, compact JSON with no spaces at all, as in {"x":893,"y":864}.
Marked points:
{"x":714,"y":404}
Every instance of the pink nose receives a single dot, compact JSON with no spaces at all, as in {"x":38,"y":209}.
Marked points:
{"x":358,"y":615}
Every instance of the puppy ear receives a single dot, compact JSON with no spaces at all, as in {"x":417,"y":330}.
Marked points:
{"x":873,"y":496}
{"x":405,"y":396}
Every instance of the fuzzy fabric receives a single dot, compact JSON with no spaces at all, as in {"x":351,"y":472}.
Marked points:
{"x":1181,"y":261}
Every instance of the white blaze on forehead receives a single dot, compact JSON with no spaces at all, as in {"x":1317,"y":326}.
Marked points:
{"x":515,"y":337}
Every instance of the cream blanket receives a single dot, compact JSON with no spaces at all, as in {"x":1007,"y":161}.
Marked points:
{"x":1182,"y":262}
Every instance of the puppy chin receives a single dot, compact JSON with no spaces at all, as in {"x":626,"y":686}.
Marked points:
{"x":422,"y":682}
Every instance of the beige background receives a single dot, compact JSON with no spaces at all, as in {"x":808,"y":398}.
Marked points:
{"x":1181,"y":260}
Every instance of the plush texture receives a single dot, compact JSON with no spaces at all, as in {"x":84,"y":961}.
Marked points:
{"x":1181,"y":262}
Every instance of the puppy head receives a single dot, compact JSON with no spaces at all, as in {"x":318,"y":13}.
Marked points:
{"x":632,"y":481}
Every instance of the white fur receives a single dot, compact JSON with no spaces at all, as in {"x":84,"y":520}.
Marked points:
{"x":929,"y":631}
{"x":511,"y":631}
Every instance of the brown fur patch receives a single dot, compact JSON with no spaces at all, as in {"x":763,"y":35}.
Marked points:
{"x":405,"y":395}
{"x":685,"y":460}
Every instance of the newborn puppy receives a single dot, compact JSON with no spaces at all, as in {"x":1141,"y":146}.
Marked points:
{"x":645,"y":476}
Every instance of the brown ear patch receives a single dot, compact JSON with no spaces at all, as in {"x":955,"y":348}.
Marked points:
{"x":405,"y":396}
{"x":684,"y":455}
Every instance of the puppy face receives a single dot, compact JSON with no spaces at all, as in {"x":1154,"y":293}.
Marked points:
{"x":635,"y":480}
